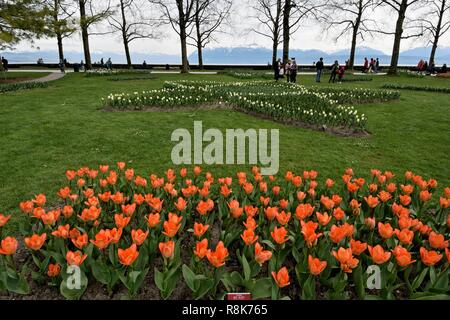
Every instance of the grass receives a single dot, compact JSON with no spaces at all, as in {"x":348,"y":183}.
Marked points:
{"x":43,"y":132}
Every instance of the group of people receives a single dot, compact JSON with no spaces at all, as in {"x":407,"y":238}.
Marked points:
{"x":424,"y":67}
{"x":107,"y":65}
{"x":371,"y":67}
{"x":290,"y":69}
{"x":3,"y":64}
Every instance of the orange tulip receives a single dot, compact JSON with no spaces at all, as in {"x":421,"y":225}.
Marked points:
{"x":379,"y":256}
{"x":283,"y":218}
{"x":4,"y":220}
{"x":316,"y":266}
{"x":26,"y":206}
{"x":139,"y":236}
{"x":170,"y":228}
{"x":128,"y":256}
{"x":384,"y":196}
{"x":338,"y":214}
{"x":80,"y":241}
{"x":425,"y":195}
{"x":167,"y":249}
{"x":62,"y":232}
{"x":271,"y":213}
{"x":304,"y":211}
{"x":115,"y":235}
{"x":405,"y":236}
{"x":324,"y":219}
{"x":262,"y":255}
{"x":50,"y":217}
{"x":90,"y":214}
{"x":309,"y":232}
{"x":102,"y":239}
{"x":279,"y":235}
{"x":358,"y":247}
{"x":327,"y":202}
{"x":281,"y":277}
{"x":430,"y":258}
{"x":200,"y":229}
{"x":8,"y":246}
{"x":201,"y":248}
{"x":129,"y":209}
{"x":250,"y":211}
{"x":337,"y":234}
{"x":180,"y":204}
{"x":75,"y":258}
{"x":35,"y":242}
{"x":53,"y":270}
{"x":346,"y":259}
{"x":203,"y":207}
{"x":437,"y":241}
{"x":370,"y":223}
{"x":40,"y":200}
{"x":447,"y":253}
{"x":121,"y":221}
{"x":250,"y":223}
{"x":248,"y":236}
{"x":217,"y":257}
{"x":371,"y":201}
{"x":385,"y":230}
{"x":402,"y":256}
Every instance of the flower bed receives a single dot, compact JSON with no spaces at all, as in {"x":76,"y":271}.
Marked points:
{"x":416,"y":88}
{"x":279,"y":101}
{"x":246,"y":75}
{"x":21,"y":86}
{"x":297,"y":236}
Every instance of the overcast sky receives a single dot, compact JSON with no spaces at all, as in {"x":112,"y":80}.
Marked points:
{"x":310,"y":36}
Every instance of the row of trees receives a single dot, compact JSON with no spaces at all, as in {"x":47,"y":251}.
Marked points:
{"x":197,"y":22}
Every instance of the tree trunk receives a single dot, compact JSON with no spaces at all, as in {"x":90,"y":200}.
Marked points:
{"x":274,"y":52}
{"x":85,"y":35}
{"x":57,"y":30}
{"x":276,"y":35}
{"x":124,"y":35}
{"x":398,"y":37}
{"x":351,"y":61}
{"x":183,"y":37}
{"x":199,"y":41}
{"x":437,"y":33}
{"x":286,"y":30}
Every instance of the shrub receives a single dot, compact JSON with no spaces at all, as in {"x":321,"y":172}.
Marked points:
{"x":22,"y":86}
{"x":296,"y":235}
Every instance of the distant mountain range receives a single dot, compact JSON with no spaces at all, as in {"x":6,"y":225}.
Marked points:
{"x":238,"y":55}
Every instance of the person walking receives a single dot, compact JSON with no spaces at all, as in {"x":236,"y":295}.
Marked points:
{"x":5,"y":64}
{"x":294,"y":70}
{"x":287,"y":71}
{"x":109,"y":64}
{"x":334,"y":71}
{"x":277,"y":68}
{"x":366,"y":65}
{"x":319,"y":69}
{"x":377,"y":65}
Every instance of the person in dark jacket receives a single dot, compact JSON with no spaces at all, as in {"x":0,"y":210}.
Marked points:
{"x":294,"y":69}
{"x":276,"y":69}
{"x":334,"y":71}
{"x":319,"y":69}
{"x":5,"y":64}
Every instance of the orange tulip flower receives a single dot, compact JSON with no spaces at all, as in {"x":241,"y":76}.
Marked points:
{"x":324,"y":219}
{"x":217,"y":257}
{"x":40,"y":200}
{"x":102,"y":239}
{"x":90,"y":214}
{"x":372,"y":202}
{"x":346,"y":259}
{"x":402,"y":256}
{"x":248,"y":236}
{"x":405,"y":236}
{"x":4,"y":219}
{"x":429,"y":258}
{"x":379,"y":256}
{"x":62,"y":232}
{"x":447,"y":253}
{"x":309,"y":232}
{"x":338,"y":214}
{"x":283,"y":218}
{"x":425,"y":195}
{"x":167,"y":249}
{"x":129,"y":209}
{"x":370,"y":223}
{"x":437,"y":241}
{"x":250,"y":211}
{"x":8,"y":246}
{"x":139,"y":236}
{"x":304,"y":211}
{"x":128,"y":256}
{"x":35,"y":242}
{"x":80,"y":241}
{"x":121,"y":221}
{"x":75,"y":258}
{"x":170,"y":228}
{"x":262,"y":255}
{"x":337,"y":234}
{"x":200,"y":229}
{"x":358,"y":247}
{"x":281,"y":277}
{"x":385,"y":230}
{"x":316,"y":266}
{"x":279,"y":235}
{"x":53,"y":270}
{"x":201,"y":248}
{"x":271,"y":213}
{"x":153,"y":220}
{"x":250,"y":223}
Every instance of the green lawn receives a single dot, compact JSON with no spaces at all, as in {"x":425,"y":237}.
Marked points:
{"x":18,"y":75}
{"x":43,"y":132}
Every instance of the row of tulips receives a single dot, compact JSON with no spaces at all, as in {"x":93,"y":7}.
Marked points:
{"x":280,"y":101}
{"x":292,"y":236}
